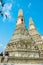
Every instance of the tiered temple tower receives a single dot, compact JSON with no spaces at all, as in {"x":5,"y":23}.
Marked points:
{"x":20,"y":37}
{"x":35,"y":35}
{"x":21,"y":42}
{"x":23,"y":47}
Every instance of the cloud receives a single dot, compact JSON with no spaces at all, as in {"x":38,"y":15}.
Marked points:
{"x":7,"y":6}
{"x":6,"y":10}
{"x":0,"y":3}
{"x":8,"y":15}
{"x":0,"y":6}
{"x":1,"y":45}
{"x":29,"y":4}
{"x":4,"y":47}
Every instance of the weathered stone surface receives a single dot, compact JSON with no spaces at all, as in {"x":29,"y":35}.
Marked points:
{"x":24,"y":47}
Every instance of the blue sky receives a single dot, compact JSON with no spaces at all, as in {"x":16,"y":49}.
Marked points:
{"x":31,"y":8}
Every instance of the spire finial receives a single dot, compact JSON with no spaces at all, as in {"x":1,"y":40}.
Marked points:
{"x":20,"y":13}
{"x":31,"y":21}
{"x":31,"y":24}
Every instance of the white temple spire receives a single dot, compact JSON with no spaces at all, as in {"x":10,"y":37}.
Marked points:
{"x":31,"y":24}
{"x":20,"y":19}
{"x":20,"y":13}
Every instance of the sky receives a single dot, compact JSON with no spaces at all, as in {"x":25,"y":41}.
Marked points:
{"x":31,"y":8}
